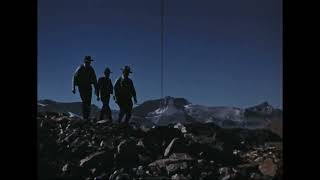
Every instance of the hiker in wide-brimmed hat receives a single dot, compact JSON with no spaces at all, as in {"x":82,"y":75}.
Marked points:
{"x":84,"y":77}
{"x":124,"y":92}
{"x":105,"y":89}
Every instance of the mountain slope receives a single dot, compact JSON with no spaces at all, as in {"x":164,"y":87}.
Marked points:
{"x":152,"y":105}
{"x":64,"y":107}
{"x":170,"y":110}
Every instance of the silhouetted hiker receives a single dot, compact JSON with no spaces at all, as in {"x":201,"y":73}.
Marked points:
{"x":105,"y":88}
{"x":84,"y":77}
{"x":124,"y":92}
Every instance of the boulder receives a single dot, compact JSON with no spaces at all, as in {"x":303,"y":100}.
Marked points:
{"x":103,"y":159}
{"x":177,"y":145}
{"x":268,"y":167}
{"x":176,"y":167}
{"x":178,"y":177}
{"x":127,"y":153}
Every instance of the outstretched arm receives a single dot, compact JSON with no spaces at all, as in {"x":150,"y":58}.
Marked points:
{"x":73,"y":86}
{"x":75,"y":75}
{"x":94,"y":81}
{"x":133,"y":92}
{"x":98,"y":90}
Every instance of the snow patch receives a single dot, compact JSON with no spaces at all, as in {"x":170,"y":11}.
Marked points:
{"x":73,"y":115}
{"x":42,"y":105}
{"x":167,"y":114}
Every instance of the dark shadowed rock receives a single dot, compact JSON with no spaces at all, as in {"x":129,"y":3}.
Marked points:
{"x":102,"y":159}
{"x":174,"y":158}
{"x":89,"y":150}
{"x":177,"y":145}
{"x":123,"y":176}
{"x":207,"y":129}
{"x":151,"y":105}
{"x":140,"y":171}
{"x":178,"y":177}
{"x":181,"y":127}
{"x":120,"y":175}
{"x":144,"y":159}
{"x":177,"y":162}
{"x":127,"y":147}
{"x":268,"y":167}
{"x":181,"y":156}
{"x":103,"y":176}
{"x":127,"y":153}
{"x":163,"y":134}
{"x":176,"y":167}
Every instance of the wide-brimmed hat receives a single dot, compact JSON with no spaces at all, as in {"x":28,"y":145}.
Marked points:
{"x":88,"y":59}
{"x":107,"y":70}
{"x":126,"y":69}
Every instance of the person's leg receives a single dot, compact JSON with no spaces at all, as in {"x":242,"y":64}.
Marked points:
{"x":128,"y":111}
{"x":83,"y":99}
{"x":86,"y":108}
{"x":121,"y":113}
{"x":84,"y":111}
{"x":85,"y":94}
{"x":107,"y":108}
{"x":102,"y":112}
{"x":89,"y":96}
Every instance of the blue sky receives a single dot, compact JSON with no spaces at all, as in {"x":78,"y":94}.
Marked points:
{"x":217,"y":52}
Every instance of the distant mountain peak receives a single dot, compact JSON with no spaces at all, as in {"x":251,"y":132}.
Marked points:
{"x":262,"y":108}
{"x":264,"y":104}
{"x":172,"y":101}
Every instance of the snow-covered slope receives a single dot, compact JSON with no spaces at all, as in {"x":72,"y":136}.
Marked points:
{"x":41,"y":105}
{"x":72,"y":115}
{"x":218,"y":115}
{"x":168,"y":113}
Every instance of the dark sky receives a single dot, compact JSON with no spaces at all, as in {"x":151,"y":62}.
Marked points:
{"x":217,"y":52}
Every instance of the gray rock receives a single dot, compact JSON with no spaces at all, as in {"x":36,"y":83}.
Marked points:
{"x":174,"y":167}
{"x":126,"y":147}
{"x":90,"y":157}
{"x":123,"y":176}
{"x":175,"y":146}
{"x":268,"y":167}
{"x":102,"y":121}
{"x":127,"y":153}
{"x":65,"y":168}
{"x":97,"y":159}
{"x":178,"y":177}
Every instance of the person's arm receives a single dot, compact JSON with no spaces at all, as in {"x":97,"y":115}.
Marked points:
{"x":94,"y":81}
{"x":116,"y":89}
{"x":73,"y":85}
{"x":98,"y":89}
{"x":75,"y":75}
{"x":110,"y":86}
{"x":133,"y":92}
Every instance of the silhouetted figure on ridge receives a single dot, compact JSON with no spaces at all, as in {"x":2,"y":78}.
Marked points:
{"x":84,"y":77}
{"x":104,"y":89}
{"x":124,"y":92}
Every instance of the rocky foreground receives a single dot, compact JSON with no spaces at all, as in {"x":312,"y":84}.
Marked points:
{"x":69,"y":148}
